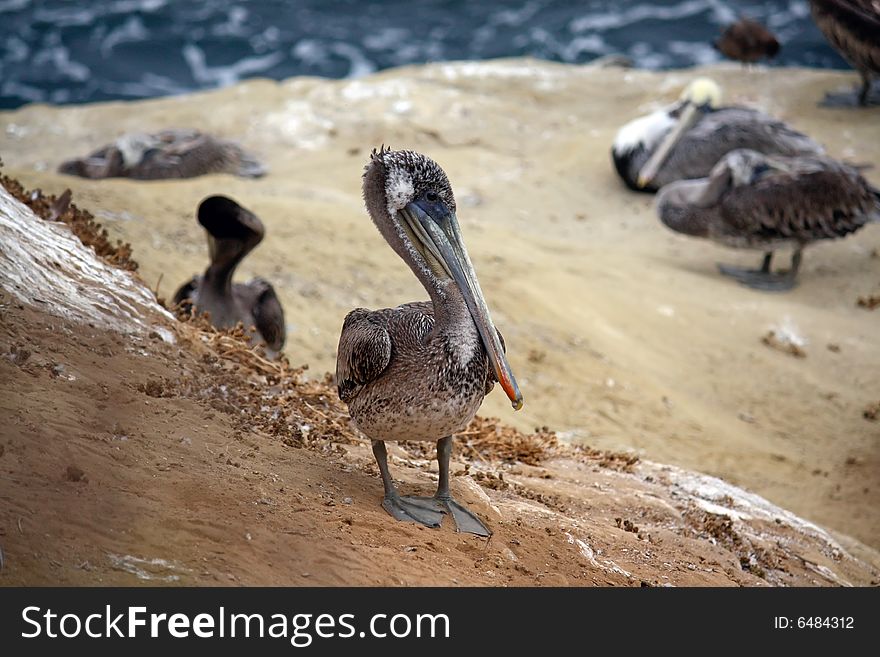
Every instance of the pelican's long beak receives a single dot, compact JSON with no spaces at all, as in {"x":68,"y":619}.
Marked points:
{"x":689,"y":116}
{"x":436,"y":227}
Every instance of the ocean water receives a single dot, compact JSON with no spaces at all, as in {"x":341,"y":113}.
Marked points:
{"x":63,"y":51}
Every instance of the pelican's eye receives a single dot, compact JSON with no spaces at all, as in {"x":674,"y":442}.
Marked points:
{"x":432,"y":196}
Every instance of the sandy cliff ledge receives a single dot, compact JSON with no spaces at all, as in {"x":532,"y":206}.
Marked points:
{"x":623,"y":335}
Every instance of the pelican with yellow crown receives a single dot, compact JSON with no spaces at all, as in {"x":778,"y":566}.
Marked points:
{"x":687,"y":138}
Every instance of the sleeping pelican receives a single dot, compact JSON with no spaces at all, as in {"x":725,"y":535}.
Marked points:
{"x":178,"y":153}
{"x":756,"y":201}
{"x":686,"y":139}
{"x":420,"y":371}
{"x":853,"y":28}
{"x":233,"y":232}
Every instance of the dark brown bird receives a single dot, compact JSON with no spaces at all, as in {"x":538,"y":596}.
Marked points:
{"x":233,"y":232}
{"x":166,"y":154}
{"x":853,"y":28}
{"x":747,"y":41}
{"x":420,"y":371}
{"x":763,"y":202}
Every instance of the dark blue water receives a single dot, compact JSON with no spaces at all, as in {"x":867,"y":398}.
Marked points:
{"x":71,"y":52}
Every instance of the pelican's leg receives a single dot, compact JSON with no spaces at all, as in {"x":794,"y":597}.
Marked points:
{"x":740,"y":272}
{"x":866,"y":88}
{"x":869,"y":95}
{"x":412,"y":509}
{"x":859,"y":97}
{"x":764,"y":279}
{"x":465,"y":521}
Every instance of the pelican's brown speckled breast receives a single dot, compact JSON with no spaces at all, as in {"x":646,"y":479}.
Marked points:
{"x":433,"y":385}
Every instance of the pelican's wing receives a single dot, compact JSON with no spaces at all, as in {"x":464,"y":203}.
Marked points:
{"x":735,"y":127}
{"x":364,"y":351}
{"x":366,"y":347}
{"x":268,"y":314}
{"x":185,"y":293}
{"x":859,"y":16}
{"x":815,"y":198}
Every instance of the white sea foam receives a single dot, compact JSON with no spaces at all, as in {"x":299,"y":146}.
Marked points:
{"x":67,"y":45}
{"x":313,"y":51}
{"x":133,"y":29}
{"x":56,"y":55}
{"x":13,"y":5}
{"x":230,"y":74}
{"x":616,"y":18}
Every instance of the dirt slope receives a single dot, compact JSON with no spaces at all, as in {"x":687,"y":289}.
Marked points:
{"x":135,"y":449}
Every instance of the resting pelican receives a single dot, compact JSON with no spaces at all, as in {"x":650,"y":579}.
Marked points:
{"x":755,"y":201}
{"x":853,"y":28}
{"x":686,"y":139}
{"x":167,"y":154}
{"x":420,"y":371}
{"x":233,"y":232}
{"x":747,"y":41}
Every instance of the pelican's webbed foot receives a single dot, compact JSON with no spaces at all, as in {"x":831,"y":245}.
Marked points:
{"x":866,"y":95}
{"x":763,"y":278}
{"x":422,"y":510}
{"x":760,"y":279}
{"x":428,"y":511}
{"x":465,"y":521}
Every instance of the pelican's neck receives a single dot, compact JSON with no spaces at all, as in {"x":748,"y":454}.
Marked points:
{"x":217,"y":280}
{"x":453,"y":322}
{"x":450,"y":308}
{"x":713,"y":189}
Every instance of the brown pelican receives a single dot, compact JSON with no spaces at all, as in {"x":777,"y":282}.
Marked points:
{"x":756,"y":201}
{"x":167,"y":154}
{"x":420,"y":371}
{"x":747,"y":41}
{"x":853,"y":28}
{"x":686,"y":139}
{"x":233,"y":232}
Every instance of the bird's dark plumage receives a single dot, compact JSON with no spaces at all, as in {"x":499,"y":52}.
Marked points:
{"x":718,"y":132}
{"x":421,"y":370}
{"x":761,"y":202}
{"x":233,"y":232}
{"x":853,"y":28}
{"x":747,"y":41}
{"x":167,"y":154}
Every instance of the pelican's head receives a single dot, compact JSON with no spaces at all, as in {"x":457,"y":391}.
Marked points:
{"x":409,"y":198}
{"x":232,"y":230}
{"x":700,"y":96}
{"x":134,"y":146}
{"x":744,"y":166}
{"x":702,"y":92}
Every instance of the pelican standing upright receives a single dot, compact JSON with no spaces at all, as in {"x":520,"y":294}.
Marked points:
{"x":421,"y":370}
{"x":853,"y":28}
{"x":756,"y":201}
